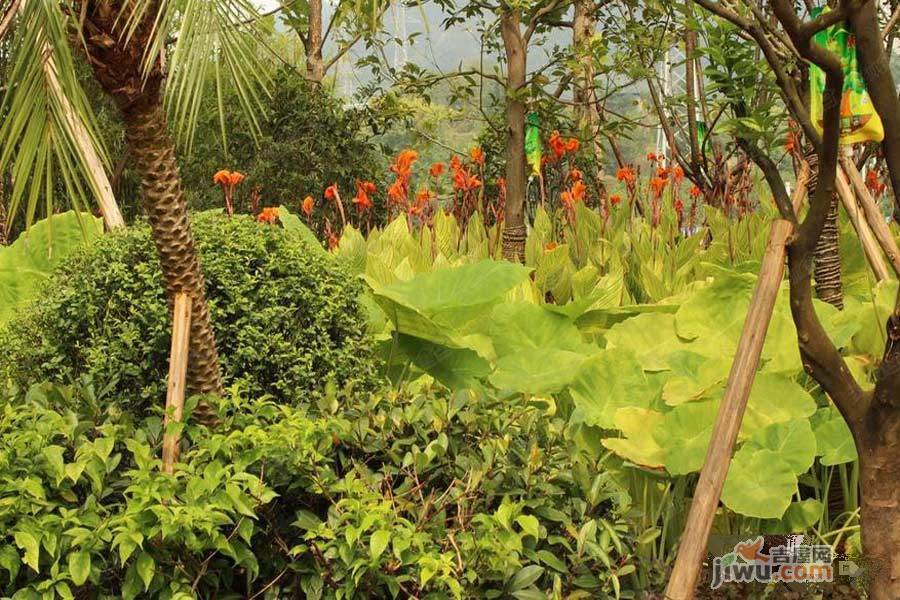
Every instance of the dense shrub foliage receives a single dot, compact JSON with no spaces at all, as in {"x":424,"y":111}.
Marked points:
{"x":286,"y":317}
{"x":419,"y":494}
{"x":308,"y":141}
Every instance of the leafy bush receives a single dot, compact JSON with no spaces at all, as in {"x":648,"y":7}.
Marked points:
{"x":286,"y":317}
{"x":436,"y":495}
{"x":308,"y":141}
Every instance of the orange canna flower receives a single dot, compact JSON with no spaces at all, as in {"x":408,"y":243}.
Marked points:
{"x":679,"y":207}
{"x":236,"y":178}
{"x":331,"y":192}
{"x":424,"y":195}
{"x":402,"y":165}
{"x":477,"y":155}
{"x":222,"y":177}
{"x":557,"y":145}
{"x":574,"y":195}
{"x":696,"y":192}
{"x":658,"y":185}
{"x":397,"y":192}
{"x":576,"y":175}
{"x":362,"y":201}
{"x":625,"y":174}
{"x":308,"y":205}
{"x":652,"y":157}
{"x":572,"y":145}
{"x":615,"y":199}
{"x":677,"y":174}
{"x":268,"y":215}
{"x":662,"y":173}
{"x":437,"y":169}
{"x":551,"y":246}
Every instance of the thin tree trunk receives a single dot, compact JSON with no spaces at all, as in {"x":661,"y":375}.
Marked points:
{"x":315,"y":65}
{"x":514,"y":231}
{"x":583,"y":29}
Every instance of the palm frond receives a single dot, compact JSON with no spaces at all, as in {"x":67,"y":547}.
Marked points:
{"x":45,"y":115}
{"x":214,"y":45}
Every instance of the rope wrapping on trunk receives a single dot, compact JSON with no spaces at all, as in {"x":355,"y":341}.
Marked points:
{"x":514,"y":243}
{"x":827,"y":258}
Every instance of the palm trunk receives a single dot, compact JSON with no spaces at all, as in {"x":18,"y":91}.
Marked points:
{"x":514,"y":231}
{"x":118,"y":68}
{"x":315,"y":65}
{"x":166,"y":208}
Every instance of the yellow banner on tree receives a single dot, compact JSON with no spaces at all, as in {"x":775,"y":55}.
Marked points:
{"x":859,"y":120}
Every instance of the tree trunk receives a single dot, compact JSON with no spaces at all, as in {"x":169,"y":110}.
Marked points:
{"x":118,"y":67}
{"x":315,"y":65}
{"x":879,"y":455}
{"x":514,"y":231}
{"x":827,"y":257}
{"x":583,"y":29}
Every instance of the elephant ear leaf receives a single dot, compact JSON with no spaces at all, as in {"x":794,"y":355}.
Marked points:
{"x":27,"y":262}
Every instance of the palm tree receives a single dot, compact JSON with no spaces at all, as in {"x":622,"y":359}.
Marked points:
{"x":125,"y":42}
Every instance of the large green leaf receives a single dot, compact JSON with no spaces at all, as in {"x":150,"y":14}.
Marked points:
{"x":684,"y":434}
{"x":650,"y":336}
{"x":760,"y":483}
{"x":610,"y":380}
{"x":637,"y":446}
{"x":775,"y":399}
{"x":537,"y":372}
{"x":717,"y":312}
{"x":456,"y":368}
{"x":443,"y":306}
{"x":693,"y":376}
{"x":793,"y":441}
{"x":520,"y":326}
{"x":27,"y":262}
{"x":298,"y":230}
{"x":834,"y":442}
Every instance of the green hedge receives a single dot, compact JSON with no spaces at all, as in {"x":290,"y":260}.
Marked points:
{"x":286,"y":318}
{"x":415,"y":494}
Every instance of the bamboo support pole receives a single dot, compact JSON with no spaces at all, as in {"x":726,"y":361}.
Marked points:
{"x":694,"y":540}
{"x":178,"y":361}
{"x":866,"y":237}
{"x":96,"y":172}
{"x":873,"y":215}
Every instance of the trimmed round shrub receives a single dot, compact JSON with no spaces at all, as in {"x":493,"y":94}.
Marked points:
{"x":287,"y":319}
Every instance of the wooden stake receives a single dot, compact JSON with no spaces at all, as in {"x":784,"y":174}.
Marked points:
{"x":866,"y":237}
{"x":96,"y":173}
{"x":692,"y":549}
{"x":873,"y":215}
{"x":178,"y":361}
